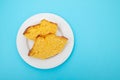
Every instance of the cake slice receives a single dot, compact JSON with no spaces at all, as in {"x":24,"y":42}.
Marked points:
{"x":45,"y":27}
{"x":48,"y":46}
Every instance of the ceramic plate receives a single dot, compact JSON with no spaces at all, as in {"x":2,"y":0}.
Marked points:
{"x":24,"y":45}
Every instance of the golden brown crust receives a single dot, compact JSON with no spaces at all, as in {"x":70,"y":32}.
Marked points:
{"x":29,"y":52}
{"x":53,"y":23}
{"x":26,"y":30}
{"x":50,"y":22}
{"x":64,"y":37}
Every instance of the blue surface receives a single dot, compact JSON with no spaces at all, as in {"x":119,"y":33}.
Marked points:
{"x":96,"y":27}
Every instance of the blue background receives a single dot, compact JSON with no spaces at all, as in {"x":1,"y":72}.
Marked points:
{"x":96,"y":27}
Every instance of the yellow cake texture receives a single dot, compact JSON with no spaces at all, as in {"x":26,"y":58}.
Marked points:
{"x":43,"y":28}
{"x":48,"y":46}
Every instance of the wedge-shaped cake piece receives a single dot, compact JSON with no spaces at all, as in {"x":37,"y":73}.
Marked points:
{"x":45,"y":27}
{"x":45,"y":47}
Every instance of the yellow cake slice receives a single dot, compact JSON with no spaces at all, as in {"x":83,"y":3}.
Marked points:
{"x":45,"y":27}
{"x":48,"y":46}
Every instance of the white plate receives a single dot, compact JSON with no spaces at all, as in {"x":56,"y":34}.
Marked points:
{"x":24,"y":45}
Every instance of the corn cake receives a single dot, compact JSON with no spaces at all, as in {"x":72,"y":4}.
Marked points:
{"x":43,"y":28}
{"x":48,"y":46}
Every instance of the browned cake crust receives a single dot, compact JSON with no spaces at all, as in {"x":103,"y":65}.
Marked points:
{"x":26,"y":30}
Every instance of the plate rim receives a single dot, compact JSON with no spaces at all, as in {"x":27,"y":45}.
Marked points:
{"x":64,"y":59}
